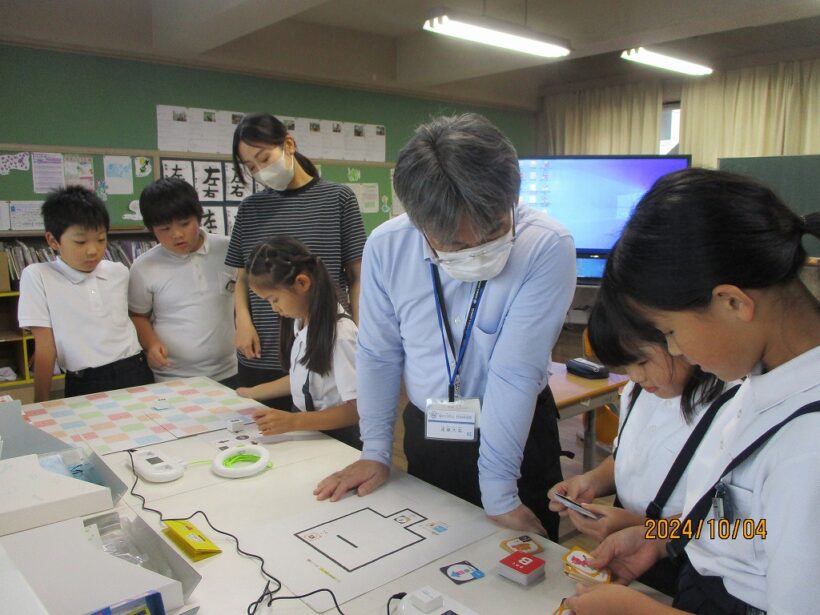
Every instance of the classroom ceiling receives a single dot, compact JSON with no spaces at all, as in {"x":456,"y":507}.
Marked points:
{"x":380,"y":44}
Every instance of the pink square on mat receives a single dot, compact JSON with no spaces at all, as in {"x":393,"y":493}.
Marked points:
{"x":91,"y":435}
{"x":137,"y":390}
{"x":162,"y":428}
{"x":34,"y":412}
{"x":193,"y":408}
{"x":94,"y":396}
{"x":117,"y":437}
{"x":119,"y":416}
{"x":189,"y":392}
{"x":77,"y":438}
{"x":46,"y":423}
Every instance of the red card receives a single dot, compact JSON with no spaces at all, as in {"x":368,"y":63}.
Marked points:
{"x":523,"y":562}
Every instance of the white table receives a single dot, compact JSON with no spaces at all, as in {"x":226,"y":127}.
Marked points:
{"x":230,"y":582}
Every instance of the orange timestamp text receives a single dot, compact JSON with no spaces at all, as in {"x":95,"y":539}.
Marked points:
{"x":721,"y":529}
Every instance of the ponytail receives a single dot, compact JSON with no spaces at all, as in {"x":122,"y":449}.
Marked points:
{"x":276,"y":263}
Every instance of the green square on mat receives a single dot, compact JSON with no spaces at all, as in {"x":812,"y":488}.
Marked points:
{"x":132,"y":427}
{"x":91,"y":414}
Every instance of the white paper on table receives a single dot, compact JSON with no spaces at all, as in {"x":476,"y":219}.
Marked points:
{"x":119,"y":174}
{"x":47,"y":172}
{"x":368,"y":197}
{"x":374,"y":139}
{"x":358,"y":544}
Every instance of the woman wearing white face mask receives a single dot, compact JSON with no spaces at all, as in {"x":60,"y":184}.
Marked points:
{"x":323,"y":215}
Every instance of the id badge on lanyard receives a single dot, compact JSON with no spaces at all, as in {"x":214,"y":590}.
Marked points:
{"x":454,"y":418}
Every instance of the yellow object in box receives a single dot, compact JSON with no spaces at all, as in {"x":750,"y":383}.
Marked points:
{"x":187,"y":537}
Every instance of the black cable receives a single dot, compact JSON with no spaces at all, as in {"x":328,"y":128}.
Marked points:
{"x":398,"y":596}
{"x":267,"y":593}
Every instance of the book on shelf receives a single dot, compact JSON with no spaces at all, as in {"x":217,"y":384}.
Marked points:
{"x":21,"y":254}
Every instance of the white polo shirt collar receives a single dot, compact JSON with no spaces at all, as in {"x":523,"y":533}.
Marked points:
{"x":203,"y":249}
{"x":76,"y":276}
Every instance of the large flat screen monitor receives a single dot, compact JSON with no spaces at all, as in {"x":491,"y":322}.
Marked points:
{"x":593,"y":196}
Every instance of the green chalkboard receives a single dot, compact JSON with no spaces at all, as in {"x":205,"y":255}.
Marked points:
{"x":793,"y":178}
{"x":17,"y":179}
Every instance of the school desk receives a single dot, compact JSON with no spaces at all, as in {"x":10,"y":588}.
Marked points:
{"x":575,"y":395}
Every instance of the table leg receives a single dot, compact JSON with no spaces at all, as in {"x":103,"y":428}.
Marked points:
{"x":589,"y":441}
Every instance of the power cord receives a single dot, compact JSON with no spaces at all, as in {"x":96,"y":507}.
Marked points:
{"x":267,"y":593}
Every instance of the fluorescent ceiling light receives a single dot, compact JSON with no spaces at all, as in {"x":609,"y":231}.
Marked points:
{"x":651,"y":58}
{"x":495,"y":33}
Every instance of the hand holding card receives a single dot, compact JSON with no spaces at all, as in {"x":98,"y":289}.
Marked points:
{"x":579,"y":568}
{"x":573,"y":505}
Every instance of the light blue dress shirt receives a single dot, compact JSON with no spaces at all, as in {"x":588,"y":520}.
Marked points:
{"x":507,"y":360}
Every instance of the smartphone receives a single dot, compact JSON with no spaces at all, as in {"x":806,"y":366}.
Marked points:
{"x":573,"y":505}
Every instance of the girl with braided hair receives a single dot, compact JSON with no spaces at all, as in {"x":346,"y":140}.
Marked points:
{"x":317,"y":343}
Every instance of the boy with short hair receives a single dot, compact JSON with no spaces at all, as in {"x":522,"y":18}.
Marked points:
{"x":181,"y":293}
{"x":76,"y":306}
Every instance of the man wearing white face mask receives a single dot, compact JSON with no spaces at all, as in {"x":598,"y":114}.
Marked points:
{"x":464,"y":298}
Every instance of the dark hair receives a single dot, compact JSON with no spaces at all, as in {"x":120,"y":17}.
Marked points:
{"x":457,"y":166}
{"x":696,"y":229}
{"x":616,"y":334}
{"x":263,"y":129}
{"x":169,"y":199}
{"x":276,"y":262}
{"x":74,"y":205}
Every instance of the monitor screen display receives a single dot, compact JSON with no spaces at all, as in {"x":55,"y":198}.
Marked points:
{"x":593,"y":196}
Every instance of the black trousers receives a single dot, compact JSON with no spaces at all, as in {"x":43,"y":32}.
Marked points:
{"x":453,"y":466}
{"x":707,"y":595}
{"x":251,"y":376}
{"x":129,"y":372}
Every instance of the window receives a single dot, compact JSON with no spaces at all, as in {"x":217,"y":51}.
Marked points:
{"x":670,"y":129}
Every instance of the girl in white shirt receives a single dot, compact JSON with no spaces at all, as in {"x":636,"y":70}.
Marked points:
{"x":662,"y":406}
{"x":712,"y":260}
{"x":317,"y":343}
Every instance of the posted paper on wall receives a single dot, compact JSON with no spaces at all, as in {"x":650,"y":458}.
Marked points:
{"x":47,"y":172}
{"x":26,"y":215}
{"x":119,"y":176}
{"x":368,"y":197}
{"x":79,"y":171}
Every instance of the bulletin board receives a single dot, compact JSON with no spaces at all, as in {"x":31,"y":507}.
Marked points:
{"x":17,"y":180}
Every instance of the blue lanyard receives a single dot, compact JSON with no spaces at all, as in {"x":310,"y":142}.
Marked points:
{"x":444,"y":325}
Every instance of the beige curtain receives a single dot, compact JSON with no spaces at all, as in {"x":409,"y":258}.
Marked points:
{"x":613,"y":120}
{"x":761,"y":111}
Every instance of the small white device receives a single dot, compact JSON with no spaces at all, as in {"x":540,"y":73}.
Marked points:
{"x":156,"y":467}
{"x":428,"y":601}
{"x":234,"y":425}
{"x":241,"y":461}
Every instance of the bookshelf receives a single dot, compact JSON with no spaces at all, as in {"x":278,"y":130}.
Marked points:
{"x":16,"y":349}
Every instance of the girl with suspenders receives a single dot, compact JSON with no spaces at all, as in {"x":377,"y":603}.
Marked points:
{"x":712,"y":260}
{"x":666,"y":409}
{"x":317,"y":344}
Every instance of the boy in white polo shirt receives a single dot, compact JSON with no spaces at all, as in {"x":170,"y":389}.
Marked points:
{"x":76,"y":306}
{"x":181,"y":293}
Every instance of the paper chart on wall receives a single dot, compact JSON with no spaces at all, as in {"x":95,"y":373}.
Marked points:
{"x":358,"y":544}
{"x":127,"y":418}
